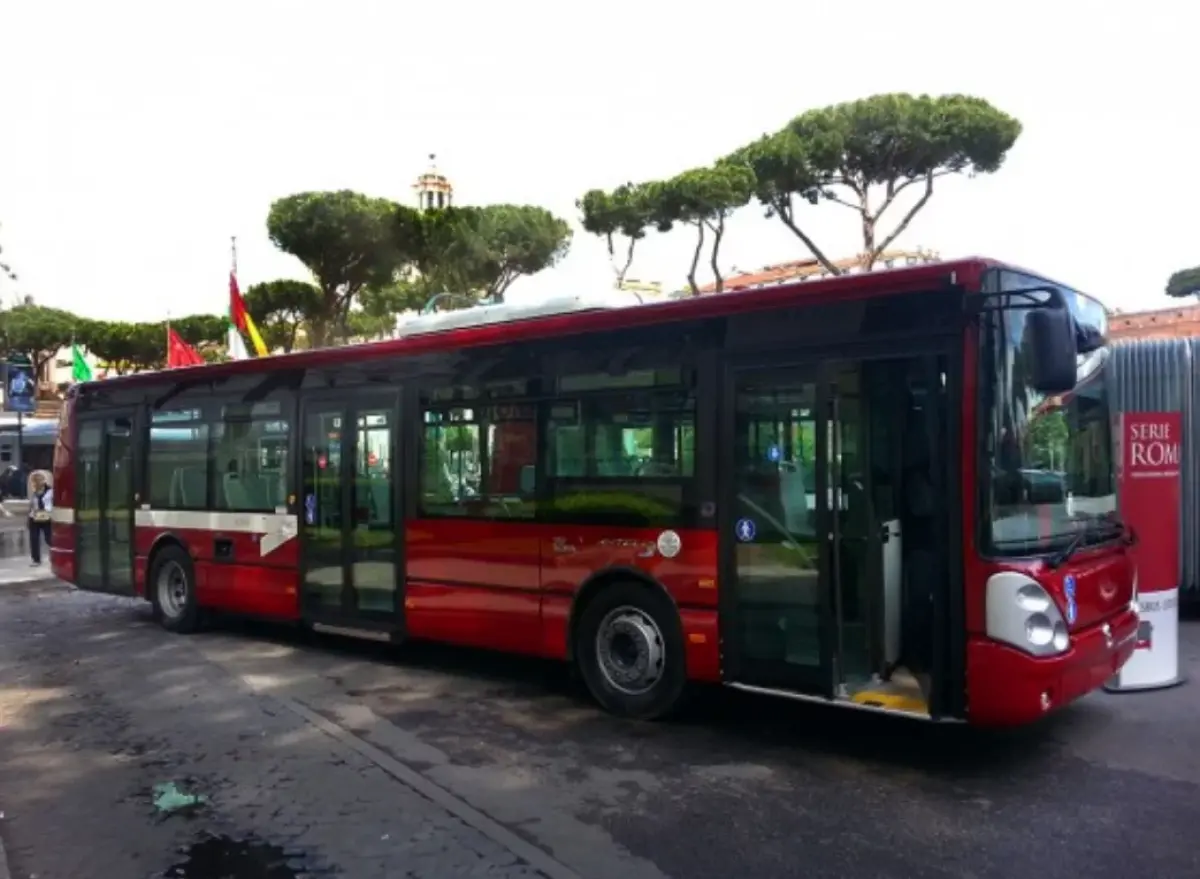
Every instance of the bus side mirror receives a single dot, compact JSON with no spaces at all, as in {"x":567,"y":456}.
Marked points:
{"x":1050,"y":343}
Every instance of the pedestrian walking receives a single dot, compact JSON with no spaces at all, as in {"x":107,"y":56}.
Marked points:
{"x":41,"y":504}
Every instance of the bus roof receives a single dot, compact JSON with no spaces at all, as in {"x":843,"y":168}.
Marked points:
{"x":494,"y":325}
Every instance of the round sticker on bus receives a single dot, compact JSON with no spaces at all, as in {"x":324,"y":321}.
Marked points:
{"x":372,"y":459}
{"x":669,"y":544}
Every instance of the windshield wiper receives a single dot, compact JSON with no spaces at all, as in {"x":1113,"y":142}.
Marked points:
{"x":1089,"y":528}
{"x":1069,"y":550}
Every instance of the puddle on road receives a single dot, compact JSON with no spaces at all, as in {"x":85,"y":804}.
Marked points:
{"x":223,"y":857}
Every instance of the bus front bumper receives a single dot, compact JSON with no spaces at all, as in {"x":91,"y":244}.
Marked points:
{"x":1006,"y":687}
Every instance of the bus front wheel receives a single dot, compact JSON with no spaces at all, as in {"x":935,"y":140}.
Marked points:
{"x":172,"y":590}
{"x":629,"y":648}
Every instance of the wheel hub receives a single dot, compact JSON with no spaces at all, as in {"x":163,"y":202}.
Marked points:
{"x":630,"y":650}
{"x":172,"y":589}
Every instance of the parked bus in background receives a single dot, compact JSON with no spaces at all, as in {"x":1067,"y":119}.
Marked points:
{"x":889,"y":490}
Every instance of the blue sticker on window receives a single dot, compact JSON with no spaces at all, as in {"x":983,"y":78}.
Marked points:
{"x":745,"y":530}
{"x":774,"y":453}
{"x":310,"y":509}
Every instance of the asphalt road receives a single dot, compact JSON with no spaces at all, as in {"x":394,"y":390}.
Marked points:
{"x":510,"y":749}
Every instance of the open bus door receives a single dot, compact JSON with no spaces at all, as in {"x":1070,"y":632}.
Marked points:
{"x":779,"y":620}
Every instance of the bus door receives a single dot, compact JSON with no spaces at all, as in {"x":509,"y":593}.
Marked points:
{"x":351,"y":523}
{"x":104,"y":503}
{"x":778,"y":612}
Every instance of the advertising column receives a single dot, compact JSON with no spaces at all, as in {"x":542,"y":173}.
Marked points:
{"x":1150,"y":446}
{"x":20,"y":395}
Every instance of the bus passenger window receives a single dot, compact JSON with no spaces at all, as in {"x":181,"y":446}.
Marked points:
{"x":250,"y":462}
{"x":177,"y":460}
{"x":616,"y":456}
{"x":479,"y":462}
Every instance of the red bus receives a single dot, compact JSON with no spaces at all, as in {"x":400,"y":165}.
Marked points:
{"x":890,"y":490}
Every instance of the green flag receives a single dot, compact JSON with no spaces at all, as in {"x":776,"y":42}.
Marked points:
{"x":80,"y":371}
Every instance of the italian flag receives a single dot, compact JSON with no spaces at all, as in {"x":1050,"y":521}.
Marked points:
{"x":240,"y":322}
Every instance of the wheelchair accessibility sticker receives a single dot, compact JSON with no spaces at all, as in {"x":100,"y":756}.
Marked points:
{"x":1069,"y":591}
{"x":745,"y":530}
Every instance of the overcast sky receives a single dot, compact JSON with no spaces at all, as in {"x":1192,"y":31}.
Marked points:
{"x":136,"y":137}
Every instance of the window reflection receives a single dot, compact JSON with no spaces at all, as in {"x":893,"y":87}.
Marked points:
{"x":1050,"y":457}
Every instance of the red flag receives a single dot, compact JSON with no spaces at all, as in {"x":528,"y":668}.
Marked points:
{"x":241,"y":319}
{"x":180,"y":353}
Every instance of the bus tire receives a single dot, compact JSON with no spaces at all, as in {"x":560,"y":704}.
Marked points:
{"x":629,"y":651}
{"x":172,"y":588}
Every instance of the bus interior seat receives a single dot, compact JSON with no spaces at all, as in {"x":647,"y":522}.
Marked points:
{"x":188,"y":487}
{"x":249,"y":492}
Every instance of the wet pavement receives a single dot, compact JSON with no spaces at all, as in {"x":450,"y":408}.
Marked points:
{"x":315,"y":757}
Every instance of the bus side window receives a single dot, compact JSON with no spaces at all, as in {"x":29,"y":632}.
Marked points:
{"x":249,"y":465}
{"x":479,"y":461}
{"x":622,"y":457}
{"x":177,"y":460}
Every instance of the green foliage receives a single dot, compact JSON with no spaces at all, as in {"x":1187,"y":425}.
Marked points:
{"x":347,"y":240}
{"x":360,"y":248}
{"x":704,"y":198}
{"x":516,"y":240}
{"x":452,"y":254}
{"x":1046,"y":439}
{"x":201,"y":331}
{"x":864,"y":155}
{"x":36,"y":331}
{"x":626,"y":212}
{"x":1185,"y":282}
{"x":375,"y":316}
{"x":480,"y":251}
{"x":783,"y":173}
{"x":280,"y":309}
{"x":888,"y":143}
{"x":126,"y":347}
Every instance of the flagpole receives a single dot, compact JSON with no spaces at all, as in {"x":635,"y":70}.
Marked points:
{"x":233,"y":252}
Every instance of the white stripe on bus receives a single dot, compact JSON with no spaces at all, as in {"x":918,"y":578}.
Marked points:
{"x":276,"y":528}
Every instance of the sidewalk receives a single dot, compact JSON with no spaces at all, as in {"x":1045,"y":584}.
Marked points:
{"x":107,"y":722}
{"x":15,"y":569}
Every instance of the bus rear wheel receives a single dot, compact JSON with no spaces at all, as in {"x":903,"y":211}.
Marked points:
{"x":629,"y":649}
{"x":172,"y":583}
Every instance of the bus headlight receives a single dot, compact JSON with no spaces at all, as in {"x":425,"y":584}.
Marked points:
{"x":1021,"y":613}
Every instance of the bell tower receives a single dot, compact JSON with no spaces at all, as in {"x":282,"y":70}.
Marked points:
{"x":433,"y":190}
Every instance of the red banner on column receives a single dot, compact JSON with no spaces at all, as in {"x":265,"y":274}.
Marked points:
{"x":1151,"y":445}
{"x":1149,"y":448}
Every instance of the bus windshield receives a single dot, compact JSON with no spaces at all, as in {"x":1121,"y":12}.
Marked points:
{"x":1050,"y":458}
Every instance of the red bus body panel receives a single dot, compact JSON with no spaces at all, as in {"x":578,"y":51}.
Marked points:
{"x":257,"y":586}
{"x":1007,"y":687}
{"x":510,"y":586}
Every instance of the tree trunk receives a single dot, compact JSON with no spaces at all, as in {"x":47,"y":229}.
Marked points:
{"x":718,"y":230}
{"x":323,"y":324}
{"x":869,"y":253}
{"x":696,"y":259}
{"x":624,"y":270}
{"x":783,"y":210}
